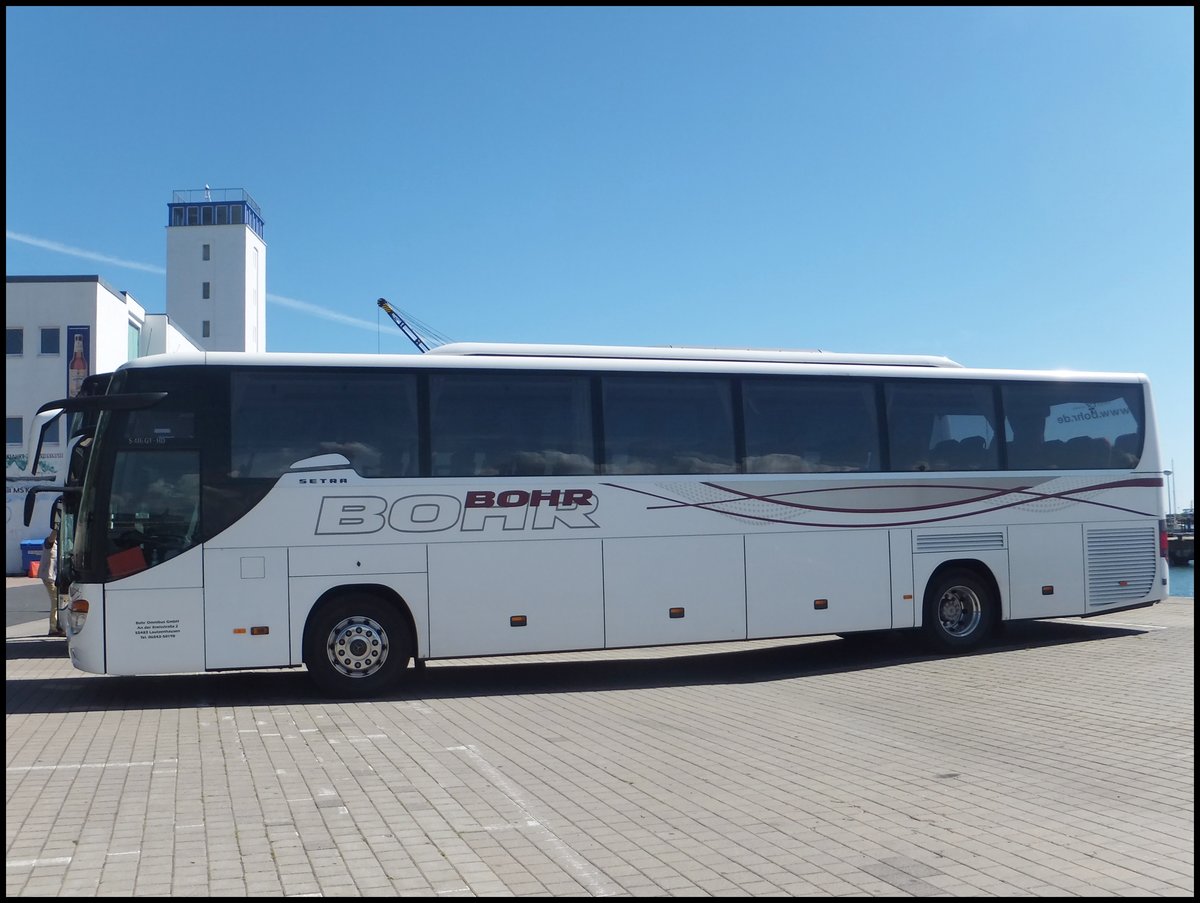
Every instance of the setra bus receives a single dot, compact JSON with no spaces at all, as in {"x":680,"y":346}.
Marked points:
{"x":359,"y":514}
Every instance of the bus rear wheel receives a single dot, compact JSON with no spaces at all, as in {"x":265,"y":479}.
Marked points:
{"x":357,"y":645}
{"x":960,"y":611}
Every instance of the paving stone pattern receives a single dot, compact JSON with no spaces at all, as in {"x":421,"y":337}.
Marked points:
{"x":1059,"y":761}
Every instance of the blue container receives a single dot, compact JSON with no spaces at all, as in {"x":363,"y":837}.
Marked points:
{"x":31,"y":551}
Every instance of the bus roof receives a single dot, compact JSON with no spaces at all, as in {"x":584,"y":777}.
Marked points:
{"x":687,"y":353}
{"x":690,"y":360}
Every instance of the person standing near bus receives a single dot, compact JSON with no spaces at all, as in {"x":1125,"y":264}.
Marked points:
{"x":48,"y":571}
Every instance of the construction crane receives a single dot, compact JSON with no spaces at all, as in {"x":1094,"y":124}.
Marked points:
{"x":404,"y":327}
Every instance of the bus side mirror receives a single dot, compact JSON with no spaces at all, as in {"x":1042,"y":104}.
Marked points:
{"x":77,"y":458}
{"x":41,"y":423}
{"x":31,"y":501}
{"x":31,"y":498}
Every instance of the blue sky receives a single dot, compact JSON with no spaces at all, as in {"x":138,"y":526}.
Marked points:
{"x":1007,"y":187}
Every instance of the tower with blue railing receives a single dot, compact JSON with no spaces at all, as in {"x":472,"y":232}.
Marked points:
{"x":217,"y":268}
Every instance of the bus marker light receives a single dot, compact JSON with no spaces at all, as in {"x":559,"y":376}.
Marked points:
{"x":77,"y":613}
{"x":239,"y":630}
{"x":907,"y":597}
{"x":1047,"y":590}
{"x":675,"y":612}
{"x":518,"y":621}
{"x":259,"y":631}
{"x":820,"y":604}
{"x":1122,"y":583}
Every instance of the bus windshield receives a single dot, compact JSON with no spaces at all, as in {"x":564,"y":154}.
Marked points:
{"x":154,"y":508}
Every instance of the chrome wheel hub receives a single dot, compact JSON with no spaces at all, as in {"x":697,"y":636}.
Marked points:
{"x":357,"y":646}
{"x":960,"y":611}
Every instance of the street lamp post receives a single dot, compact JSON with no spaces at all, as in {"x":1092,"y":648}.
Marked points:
{"x":1172,"y":489}
{"x":1170,"y":503}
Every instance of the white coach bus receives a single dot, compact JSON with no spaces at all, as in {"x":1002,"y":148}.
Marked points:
{"x":355,"y":514}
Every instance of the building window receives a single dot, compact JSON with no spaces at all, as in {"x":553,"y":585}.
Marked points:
{"x":204,"y":289}
{"x":193,"y":216}
{"x":205,"y":251}
{"x":206,"y":329}
{"x":50,"y":340}
{"x":134,"y":338}
{"x":51,"y":436}
{"x":176,"y":216}
{"x":14,"y":341}
{"x":206,"y":215}
{"x":12,"y":430}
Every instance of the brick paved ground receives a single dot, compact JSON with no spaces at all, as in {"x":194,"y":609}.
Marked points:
{"x":1060,"y":761}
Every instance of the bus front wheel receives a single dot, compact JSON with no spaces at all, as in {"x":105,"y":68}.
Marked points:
{"x":960,"y":610}
{"x":357,"y":645}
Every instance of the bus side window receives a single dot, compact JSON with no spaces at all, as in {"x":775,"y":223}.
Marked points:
{"x":510,"y":424}
{"x":1087,"y":453}
{"x":819,"y":425}
{"x":1083,"y":426}
{"x":1126,"y":452}
{"x":974,"y":454}
{"x":909,"y":447}
{"x":944,"y":455}
{"x":287,"y":415}
{"x":660,"y":423}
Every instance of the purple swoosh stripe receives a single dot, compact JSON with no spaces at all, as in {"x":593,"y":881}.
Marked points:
{"x":745,"y":496}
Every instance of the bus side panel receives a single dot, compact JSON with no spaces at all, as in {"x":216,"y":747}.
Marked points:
{"x":246,"y":624}
{"x":701,"y":577}
{"x":153,"y":631}
{"x":904,"y":597}
{"x":476,"y":589}
{"x":1123,"y":564}
{"x":803,"y":584}
{"x":358,"y":559}
{"x":153,"y":620}
{"x":1047,"y":570}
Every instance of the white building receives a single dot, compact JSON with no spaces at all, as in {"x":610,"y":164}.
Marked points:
{"x":59,"y":328}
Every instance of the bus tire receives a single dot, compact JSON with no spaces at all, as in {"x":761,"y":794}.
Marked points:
{"x":960,"y":610}
{"x":357,"y":645}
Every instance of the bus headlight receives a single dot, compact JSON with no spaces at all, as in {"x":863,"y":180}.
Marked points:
{"x":77,"y":613}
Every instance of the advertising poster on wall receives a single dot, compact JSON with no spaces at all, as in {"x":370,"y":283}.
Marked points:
{"x":79,"y":357}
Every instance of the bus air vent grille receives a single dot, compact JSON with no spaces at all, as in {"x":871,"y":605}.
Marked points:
{"x":959,"y":542}
{"x":1121,"y":563}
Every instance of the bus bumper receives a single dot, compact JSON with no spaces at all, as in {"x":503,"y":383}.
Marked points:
{"x":85,"y":628}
